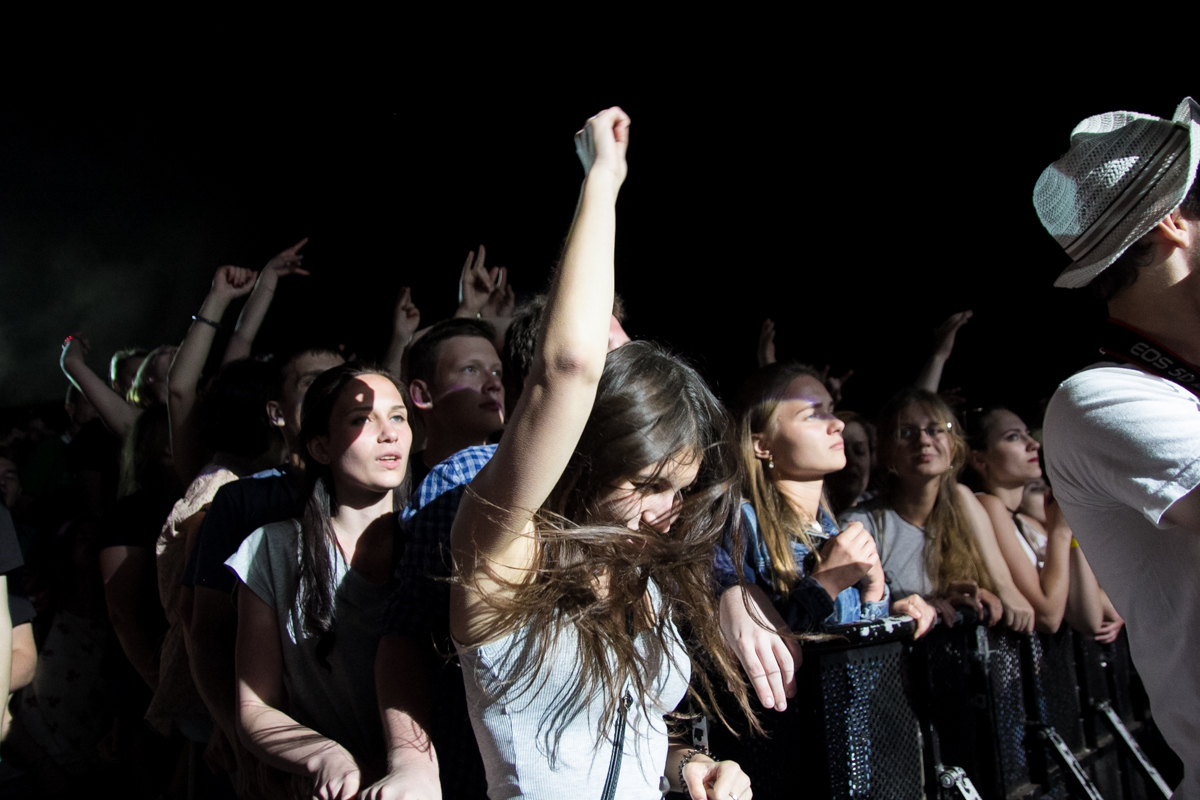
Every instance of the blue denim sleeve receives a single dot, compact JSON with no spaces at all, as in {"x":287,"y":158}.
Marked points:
{"x":850,"y":607}
{"x":731,"y":562}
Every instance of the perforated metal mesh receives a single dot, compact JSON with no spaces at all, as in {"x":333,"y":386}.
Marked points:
{"x":1008,"y":703}
{"x":872,"y":736}
{"x":1053,"y":679}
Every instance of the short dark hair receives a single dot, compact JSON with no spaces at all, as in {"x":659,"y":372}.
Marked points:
{"x":520,"y":342}
{"x":285,"y":361}
{"x":1123,"y":272}
{"x":233,"y":409}
{"x":423,"y":355}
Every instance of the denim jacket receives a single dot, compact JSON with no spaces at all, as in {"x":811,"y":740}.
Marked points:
{"x":808,"y":606}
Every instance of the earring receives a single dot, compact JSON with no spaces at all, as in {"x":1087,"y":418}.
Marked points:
{"x":770,"y":463}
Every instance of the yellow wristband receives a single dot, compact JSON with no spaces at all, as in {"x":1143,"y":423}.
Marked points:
{"x":1074,"y":543}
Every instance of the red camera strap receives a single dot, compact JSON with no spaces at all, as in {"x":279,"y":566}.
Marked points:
{"x":1128,"y":344}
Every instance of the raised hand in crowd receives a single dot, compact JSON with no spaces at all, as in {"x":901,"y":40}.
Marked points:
{"x":250,"y":320}
{"x":475,"y":285}
{"x":405,"y":321}
{"x":502,"y":300}
{"x":117,"y":413}
{"x":766,"y":343}
{"x":943,"y":345}
{"x":229,"y":283}
{"x":835,"y":384}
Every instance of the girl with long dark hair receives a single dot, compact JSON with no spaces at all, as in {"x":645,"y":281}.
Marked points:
{"x":313,"y":591}
{"x":583,"y":550}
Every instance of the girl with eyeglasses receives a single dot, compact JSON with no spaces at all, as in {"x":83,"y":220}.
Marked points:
{"x":934,"y":537}
{"x":1045,"y":561}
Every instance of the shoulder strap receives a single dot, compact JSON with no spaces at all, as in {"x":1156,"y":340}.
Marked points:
{"x":614,"y":761}
{"x":1130,"y":345}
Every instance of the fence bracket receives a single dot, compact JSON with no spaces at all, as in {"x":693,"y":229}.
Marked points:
{"x":1077,"y":779}
{"x":955,"y":784}
{"x":1130,"y":745}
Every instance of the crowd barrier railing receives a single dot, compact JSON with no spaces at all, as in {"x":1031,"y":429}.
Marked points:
{"x":970,"y":711}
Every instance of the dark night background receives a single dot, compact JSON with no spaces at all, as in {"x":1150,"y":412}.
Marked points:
{"x":857,"y":219}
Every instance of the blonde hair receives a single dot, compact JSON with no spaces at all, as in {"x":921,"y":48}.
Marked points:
{"x":950,"y":550}
{"x":778,"y":521}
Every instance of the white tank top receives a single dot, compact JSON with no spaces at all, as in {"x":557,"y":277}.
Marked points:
{"x":516,"y":733}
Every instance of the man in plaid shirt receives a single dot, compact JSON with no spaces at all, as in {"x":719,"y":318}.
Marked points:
{"x":420,"y":688}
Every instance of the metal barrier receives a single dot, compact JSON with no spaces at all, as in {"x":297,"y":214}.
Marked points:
{"x":968,"y":712}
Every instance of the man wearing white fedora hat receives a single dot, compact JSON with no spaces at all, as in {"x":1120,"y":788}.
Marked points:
{"x":1123,"y":436}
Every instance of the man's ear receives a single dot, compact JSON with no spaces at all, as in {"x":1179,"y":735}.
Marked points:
{"x":318,"y":448}
{"x":761,"y":448}
{"x":421,"y":396}
{"x":275,"y":413}
{"x":1178,"y":230}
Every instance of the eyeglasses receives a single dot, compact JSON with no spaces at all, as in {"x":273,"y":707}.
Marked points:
{"x":911,"y":433}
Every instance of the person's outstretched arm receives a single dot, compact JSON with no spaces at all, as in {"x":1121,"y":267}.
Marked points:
{"x":1045,"y":589}
{"x":404,"y":688}
{"x":1088,"y":608}
{"x":538,"y":442}
{"x":182,"y":381}
{"x":250,"y":320}
{"x":116,"y":412}
{"x":943,"y":345}
{"x":1018,"y":613}
{"x":269,"y":733}
{"x":405,"y":322}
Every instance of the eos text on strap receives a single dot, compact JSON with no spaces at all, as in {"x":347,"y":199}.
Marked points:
{"x":1127,"y":344}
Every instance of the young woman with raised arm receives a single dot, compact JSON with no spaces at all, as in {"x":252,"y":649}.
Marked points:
{"x":586,"y":543}
{"x":313,"y":590}
{"x":1046,"y":563}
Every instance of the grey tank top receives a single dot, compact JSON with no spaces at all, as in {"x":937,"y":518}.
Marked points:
{"x":516,"y":733}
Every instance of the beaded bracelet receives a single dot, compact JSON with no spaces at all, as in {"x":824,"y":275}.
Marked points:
{"x":699,"y":751}
{"x":206,"y":321}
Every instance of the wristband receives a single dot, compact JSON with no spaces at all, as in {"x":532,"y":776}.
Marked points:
{"x":206,"y":321}
{"x":1074,"y":543}
{"x":688,"y":757}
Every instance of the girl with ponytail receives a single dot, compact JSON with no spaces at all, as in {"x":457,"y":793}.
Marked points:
{"x":312,"y":591}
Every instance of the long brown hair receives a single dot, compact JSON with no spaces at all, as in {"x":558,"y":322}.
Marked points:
{"x":950,"y":550}
{"x":318,"y":541}
{"x":779,"y":522}
{"x":649,"y":408}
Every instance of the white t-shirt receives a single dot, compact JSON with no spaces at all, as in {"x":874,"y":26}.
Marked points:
{"x":1121,"y":447}
{"x":334,"y":697}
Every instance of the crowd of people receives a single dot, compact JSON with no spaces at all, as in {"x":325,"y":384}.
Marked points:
{"x":514,"y":559}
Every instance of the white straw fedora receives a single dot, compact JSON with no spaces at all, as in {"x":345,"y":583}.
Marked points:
{"x":1124,"y":173}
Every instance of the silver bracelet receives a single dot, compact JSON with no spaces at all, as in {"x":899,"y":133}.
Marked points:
{"x":699,"y":751}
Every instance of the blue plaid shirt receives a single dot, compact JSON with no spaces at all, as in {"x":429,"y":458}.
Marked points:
{"x":808,"y":606}
{"x":420,"y":610}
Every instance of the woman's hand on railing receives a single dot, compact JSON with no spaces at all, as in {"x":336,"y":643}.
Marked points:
{"x":921,"y":611}
{"x":751,"y":626}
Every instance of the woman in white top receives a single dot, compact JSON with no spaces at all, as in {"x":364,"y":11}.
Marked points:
{"x":934,"y":537}
{"x":1045,"y":561}
{"x":587,"y":540}
{"x":313,"y":592}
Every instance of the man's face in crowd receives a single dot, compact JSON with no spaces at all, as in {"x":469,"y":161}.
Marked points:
{"x":466,"y":391}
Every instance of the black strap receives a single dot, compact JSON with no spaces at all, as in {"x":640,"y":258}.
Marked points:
{"x":1127,"y":344}
{"x":614,"y":762}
